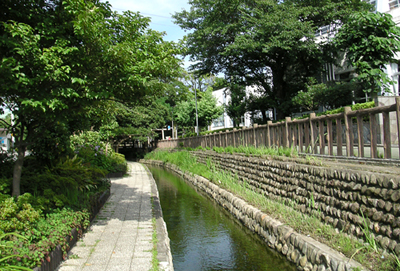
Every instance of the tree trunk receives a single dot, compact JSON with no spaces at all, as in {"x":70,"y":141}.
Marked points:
{"x":17,"y":171}
{"x":117,"y":147}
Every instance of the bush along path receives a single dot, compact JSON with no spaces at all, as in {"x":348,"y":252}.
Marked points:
{"x":121,"y":235}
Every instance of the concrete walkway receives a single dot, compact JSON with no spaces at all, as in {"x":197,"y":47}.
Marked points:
{"x":120,"y":237}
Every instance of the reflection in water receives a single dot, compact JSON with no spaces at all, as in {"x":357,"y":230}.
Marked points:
{"x":204,"y":236}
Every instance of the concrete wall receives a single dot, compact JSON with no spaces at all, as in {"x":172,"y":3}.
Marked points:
{"x":338,"y":194}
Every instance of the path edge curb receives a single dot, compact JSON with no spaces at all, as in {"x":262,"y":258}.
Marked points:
{"x":164,"y":255}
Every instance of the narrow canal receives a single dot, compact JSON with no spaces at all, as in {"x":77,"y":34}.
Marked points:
{"x":204,"y":236}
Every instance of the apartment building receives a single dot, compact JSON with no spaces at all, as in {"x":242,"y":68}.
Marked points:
{"x":335,"y":73}
{"x":224,"y":121}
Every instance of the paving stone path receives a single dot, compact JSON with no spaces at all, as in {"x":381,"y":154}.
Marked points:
{"x":120,"y":237}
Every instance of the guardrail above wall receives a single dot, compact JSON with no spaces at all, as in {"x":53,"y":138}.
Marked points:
{"x":372,"y":132}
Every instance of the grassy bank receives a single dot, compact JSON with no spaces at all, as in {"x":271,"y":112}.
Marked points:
{"x":367,"y":253}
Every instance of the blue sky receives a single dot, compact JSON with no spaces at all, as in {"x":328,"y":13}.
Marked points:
{"x":159,"y":11}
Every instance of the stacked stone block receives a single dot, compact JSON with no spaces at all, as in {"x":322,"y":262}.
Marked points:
{"x":338,"y":196}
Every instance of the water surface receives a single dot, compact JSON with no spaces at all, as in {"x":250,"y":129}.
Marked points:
{"x":204,"y":236}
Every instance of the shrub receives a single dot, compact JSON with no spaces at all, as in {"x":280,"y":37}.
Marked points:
{"x":37,"y":239}
{"x":17,"y":216}
{"x":68,"y":183}
{"x":95,"y":156}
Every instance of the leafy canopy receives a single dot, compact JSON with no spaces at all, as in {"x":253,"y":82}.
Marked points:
{"x":269,"y":44}
{"x":370,"y":40}
{"x":61,"y":57}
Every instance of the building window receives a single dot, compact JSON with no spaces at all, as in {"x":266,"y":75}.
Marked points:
{"x":218,"y":122}
{"x":393,"y":4}
{"x":241,"y":121}
{"x":373,"y":3}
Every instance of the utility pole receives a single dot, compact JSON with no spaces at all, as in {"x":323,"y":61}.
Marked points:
{"x":172,"y":110}
{"x":197,"y":118}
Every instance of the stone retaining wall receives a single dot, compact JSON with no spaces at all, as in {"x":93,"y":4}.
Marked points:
{"x":338,"y":195}
{"x":305,"y":252}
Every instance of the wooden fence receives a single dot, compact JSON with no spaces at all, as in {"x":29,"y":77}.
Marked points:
{"x":362,"y":133}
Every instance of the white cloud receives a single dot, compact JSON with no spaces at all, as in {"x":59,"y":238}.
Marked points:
{"x":160,"y":12}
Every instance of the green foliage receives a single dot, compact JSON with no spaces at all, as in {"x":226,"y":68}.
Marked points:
{"x":311,"y":98}
{"x":270,"y":44}
{"x":341,"y":109}
{"x":331,"y":95}
{"x":46,"y":49}
{"x":34,"y":237}
{"x":367,"y":233}
{"x":138,"y":120}
{"x":17,"y":216}
{"x":207,"y":108}
{"x":4,"y":258}
{"x":216,"y":131}
{"x":370,"y":41}
{"x":67,"y":183}
{"x":236,"y":107}
{"x":251,"y":150}
{"x":94,"y":153}
{"x":53,"y":144}
{"x":6,"y":121}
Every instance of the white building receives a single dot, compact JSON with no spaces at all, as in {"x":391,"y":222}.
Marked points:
{"x":5,"y":140}
{"x":224,"y":121}
{"x":391,"y":7}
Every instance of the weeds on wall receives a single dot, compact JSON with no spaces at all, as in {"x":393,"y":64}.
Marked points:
{"x":256,"y":151}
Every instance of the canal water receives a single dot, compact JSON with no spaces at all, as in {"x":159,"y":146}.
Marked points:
{"x":204,"y":236}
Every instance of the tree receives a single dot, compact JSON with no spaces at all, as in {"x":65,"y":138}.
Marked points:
{"x":208,"y":110}
{"x":270,"y":44}
{"x":60,"y":57}
{"x":370,"y":40}
{"x":330,"y":95}
{"x":139,"y":121}
{"x":236,"y":107}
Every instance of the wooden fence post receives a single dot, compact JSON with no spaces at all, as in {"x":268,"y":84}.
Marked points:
{"x":339,"y":141}
{"x":349,"y":131}
{"x":300,"y":135}
{"x":312,"y":132}
{"x":268,"y":137}
{"x":373,"y":135}
{"x":329,"y":136}
{"x":234,"y":139}
{"x":254,"y":135}
{"x":287,"y":134}
{"x":213,"y":140}
{"x":398,"y":121}
{"x":321,"y":137}
{"x":387,"y":144}
{"x":360,"y":132}
{"x":244,"y":136}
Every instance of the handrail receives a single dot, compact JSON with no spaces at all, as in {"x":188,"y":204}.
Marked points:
{"x":335,"y":134}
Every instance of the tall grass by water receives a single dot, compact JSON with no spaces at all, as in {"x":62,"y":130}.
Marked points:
{"x":285,"y":212}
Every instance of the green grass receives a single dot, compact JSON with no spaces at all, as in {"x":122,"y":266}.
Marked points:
{"x":284,"y":212}
{"x":259,"y":151}
{"x":154,"y":260}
